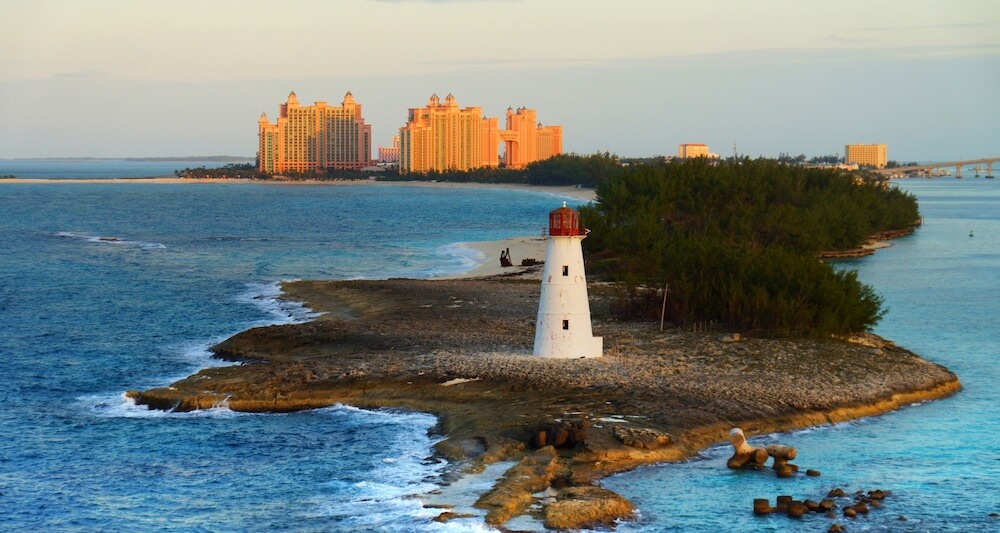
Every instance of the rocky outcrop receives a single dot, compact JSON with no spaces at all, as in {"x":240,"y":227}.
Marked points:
{"x":655,"y":396}
{"x":586,"y":507}
{"x":565,"y":434}
{"x":644,"y":438}
{"x":513,"y":493}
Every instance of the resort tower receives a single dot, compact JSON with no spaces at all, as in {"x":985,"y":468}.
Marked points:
{"x":314,"y":138}
{"x":443,"y":137}
{"x":563,"y":327}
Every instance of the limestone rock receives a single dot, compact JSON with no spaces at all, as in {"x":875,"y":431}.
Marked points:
{"x":644,"y":438}
{"x":513,"y":492}
{"x":586,"y":507}
{"x":450,"y":515}
{"x":564,"y":435}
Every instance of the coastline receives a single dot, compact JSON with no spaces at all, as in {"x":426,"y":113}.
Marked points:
{"x":394,"y":343}
{"x":565,"y":191}
{"x":521,"y":248}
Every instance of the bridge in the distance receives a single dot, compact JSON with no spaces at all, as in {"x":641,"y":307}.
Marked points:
{"x":977,"y":163}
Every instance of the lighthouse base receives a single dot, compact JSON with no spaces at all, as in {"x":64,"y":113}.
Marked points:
{"x":560,"y":347}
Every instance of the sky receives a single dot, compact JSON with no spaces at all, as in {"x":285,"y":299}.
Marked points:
{"x":119,"y":78}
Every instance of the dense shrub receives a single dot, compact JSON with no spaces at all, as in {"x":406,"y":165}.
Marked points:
{"x":736,"y":242}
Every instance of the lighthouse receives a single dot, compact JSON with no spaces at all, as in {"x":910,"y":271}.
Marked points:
{"x":563,"y":327}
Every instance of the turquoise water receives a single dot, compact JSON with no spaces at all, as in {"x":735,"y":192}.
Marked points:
{"x":939,"y":459}
{"x":84,"y":319}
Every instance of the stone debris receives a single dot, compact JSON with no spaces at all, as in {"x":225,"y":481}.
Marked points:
{"x":643,"y":438}
{"x":862,"y":504}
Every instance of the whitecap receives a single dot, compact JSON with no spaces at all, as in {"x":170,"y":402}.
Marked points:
{"x":267,"y":298}
{"x":199,"y":354}
{"x":393,"y":493}
{"x":111,"y":240}
{"x":119,"y":405}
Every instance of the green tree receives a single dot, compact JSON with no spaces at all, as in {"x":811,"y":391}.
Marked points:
{"x":737,"y":242}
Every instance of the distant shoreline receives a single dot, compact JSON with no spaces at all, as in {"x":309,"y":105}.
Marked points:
{"x":567,"y":190}
{"x":207,"y":158}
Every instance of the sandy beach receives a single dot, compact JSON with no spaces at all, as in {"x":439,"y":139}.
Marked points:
{"x":521,"y":248}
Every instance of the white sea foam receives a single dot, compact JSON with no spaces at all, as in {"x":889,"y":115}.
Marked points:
{"x":390,"y":496}
{"x":267,"y":298}
{"x":462,"y":256}
{"x":118,"y":405}
{"x":199,"y":354}
{"x":111,"y":240}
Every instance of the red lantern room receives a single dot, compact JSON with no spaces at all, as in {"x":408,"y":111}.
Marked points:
{"x":564,"y":222}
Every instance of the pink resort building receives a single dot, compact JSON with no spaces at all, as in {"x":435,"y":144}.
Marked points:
{"x":314,"y":138}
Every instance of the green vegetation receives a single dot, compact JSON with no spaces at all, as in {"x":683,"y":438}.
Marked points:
{"x":8,"y":177}
{"x":736,"y":243}
{"x":228,"y":171}
{"x":586,"y":171}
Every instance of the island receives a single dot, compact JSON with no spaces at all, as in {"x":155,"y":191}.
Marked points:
{"x":461,"y":349}
{"x":679,"y":248}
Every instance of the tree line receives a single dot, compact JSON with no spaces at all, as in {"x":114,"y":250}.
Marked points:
{"x":564,"y":169}
{"x":736,"y":242}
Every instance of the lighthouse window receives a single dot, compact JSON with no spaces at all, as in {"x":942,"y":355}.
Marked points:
{"x":565,"y":324}
{"x":565,"y":270}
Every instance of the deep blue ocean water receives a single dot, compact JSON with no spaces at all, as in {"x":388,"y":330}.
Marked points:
{"x":84,"y":319}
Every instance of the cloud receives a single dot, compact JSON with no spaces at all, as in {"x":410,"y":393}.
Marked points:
{"x":958,"y":26}
{"x":435,"y":1}
{"x":848,"y":40}
{"x":514,"y":63}
{"x":82,"y":75}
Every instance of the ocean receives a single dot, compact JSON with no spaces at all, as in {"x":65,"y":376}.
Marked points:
{"x":108,"y":287}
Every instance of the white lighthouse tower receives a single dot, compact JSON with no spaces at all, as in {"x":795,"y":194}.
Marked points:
{"x":563,"y":326}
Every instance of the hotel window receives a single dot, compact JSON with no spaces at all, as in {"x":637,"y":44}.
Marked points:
{"x":565,"y":270}
{"x":565,"y":324}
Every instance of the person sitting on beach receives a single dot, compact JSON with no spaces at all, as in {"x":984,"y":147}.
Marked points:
{"x":505,"y":258}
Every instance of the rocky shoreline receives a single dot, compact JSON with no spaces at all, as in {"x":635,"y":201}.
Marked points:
{"x":461,"y":349}
{"x":876,"y":241}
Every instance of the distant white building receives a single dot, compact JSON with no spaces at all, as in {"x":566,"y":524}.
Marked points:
{"x":389,"y":154}
{"x":866,"y":155}
{"x":688,"y":150}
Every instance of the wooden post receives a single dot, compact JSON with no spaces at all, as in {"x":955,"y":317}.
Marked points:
{"x":663,"y":309}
